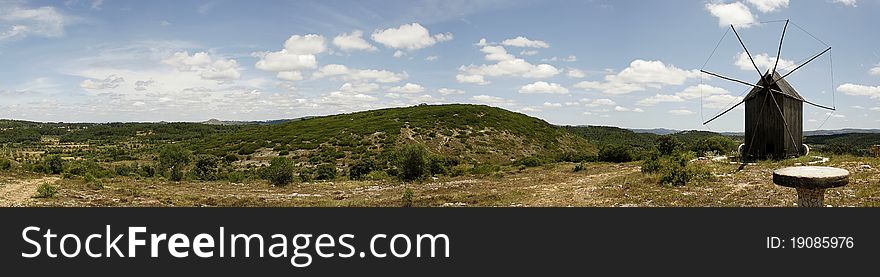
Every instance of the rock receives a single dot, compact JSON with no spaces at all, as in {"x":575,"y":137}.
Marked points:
{"x":865,"y":166}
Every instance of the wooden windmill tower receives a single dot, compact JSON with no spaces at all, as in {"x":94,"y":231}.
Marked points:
{"x":774,"y":111}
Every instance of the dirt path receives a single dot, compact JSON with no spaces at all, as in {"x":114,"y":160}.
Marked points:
{"x":17,"y":192}
{"x":577,"y":191}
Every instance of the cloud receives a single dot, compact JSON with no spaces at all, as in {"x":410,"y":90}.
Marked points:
{"x":164,"y":23}
{"x":111,"y":81}
{"x":338,"y":98}
{"x":734,"y":13}
{"x":835,"y":115}
{"x":570,"y":58}
{"x":289,"y":75}
{"x":575,"y":73}
{"x":875,"y":71}
{"x":543,"y":87}
{"x":358,"y":87}
{"x":659,"y":98}
{"x":20,"y":22}
{"x":144,"y":85}
{"x":298,"y":54}
{"x":624,"y":109}
{"x":353,"y":41}
{"x":552,"y":105}
{"x":521,"y":41}
{"x":681,"y":112}
{"x":96,"y":4}
{"x":639,"y":76}
{"x":860,"y":90}
{"x":766,"y":6}
{"x":528,"y":52}
{"x":598,"y":102}
{"x":763,"y":61}
{"x":851,"y":3}
{"x":713,"y":97}
{"x":449,"y":91}
{"x":209,"y":68}
{"x":408,"y":37}
{"x":492,"y":100}
{"x":507,"y":65}
{"x":407,"y":88}
{"x":358,"y":75}
{"x":431,"y":58}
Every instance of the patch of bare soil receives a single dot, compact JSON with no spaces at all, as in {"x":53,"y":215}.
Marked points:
{"x":20,"y":192}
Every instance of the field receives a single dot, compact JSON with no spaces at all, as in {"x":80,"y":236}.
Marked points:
{"x":464,"y":155}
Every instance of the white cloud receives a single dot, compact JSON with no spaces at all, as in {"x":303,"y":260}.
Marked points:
{"x":570,"y":58}
{"x":875,"y":71}
{"x":298,"y":54}
{"x":521,"y":41}
{"x":624,"y":109}
{"x":713,"y":97}
{"x":359,"y":88}
{"x":638,"y":76}
{"x":529,"y":110}
{"x":431,"y":58}
{"x":408,"y":37}
{"x":835,"y":115}
{"x":876,"y":109}
{"x":353,"y":41}
{"x":398,"y":54}
{"x":575,"y":73}
{"x":496,"y":53}
{"x":681,"y":112}
{"x":111,"y":81}
{"x":543,"y":87}
{"x":471,"y":79}
{"x":719,"y":101}
{"x":734,"y":13}
{"x":144,"y":85}
{"x":860,"y":90}
{"x":552,"y":105}
{"x":96,"y":4}
{"x":598,"y":102}
{"x":486,"y":99}
{"x":763,"y":61}
{"x":766,"y":6}
{"x":851,"y":3}
{"x":659,"y":98}
{"x":528,"y":52}
{"x":449,"y":91}
{"x":338,"y":98}
{"x":290,"y":75}
{"x":358,"y":75}
{"x":407,"y":88}
{"x":20,"y":22}
{"x":209,"y":68}
{"x":164,"y":23}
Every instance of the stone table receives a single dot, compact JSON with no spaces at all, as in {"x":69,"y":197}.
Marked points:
{"x":811,"y":182}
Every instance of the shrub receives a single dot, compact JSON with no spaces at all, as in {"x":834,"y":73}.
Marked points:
{"x":652,"y":163}
{"x":280,"y":171}
{"x":407,"y":198}
{"x":376,"y":175}
{"x":325,"y":172}
{"x":360,"y":168}
{"x":436,"y":164}
{"x":615,"y":154}
{"x":411,"y":162}
{"x":306,"y":174}
{"x":580,"y":167}
{"x":459,"y":170}
{"x":5,"y":164}
{"x":676,"y":172}
{"x":229,"y":158}
{"x":716,"y":144}
{"x":667,"y":145}
{"x":46,"y":190}
{"x":531,"y":162}
{"x":124,"y":170}
{"x":52,"y":164}
{"x":206,"y":167}
{"x":174,"y":158}
{"x":485,"y":169}
{"x":147,"y":171}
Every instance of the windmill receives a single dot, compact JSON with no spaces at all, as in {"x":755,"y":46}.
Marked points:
{"x":773,"y":112}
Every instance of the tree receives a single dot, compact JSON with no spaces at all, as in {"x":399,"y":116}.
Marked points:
{"x":615,"y":154}
{"x":411,"y":162}
{"x":53,"y":164}
{"x":280,"y":171}
{"x":173,"y":158}
{"x":360,"y":168}
{"x":667,"y":145}
{"x":206,"y":167}
{"x":326,"y":172}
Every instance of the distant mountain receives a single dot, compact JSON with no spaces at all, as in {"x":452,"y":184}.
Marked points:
{"x":215,"y":121}
{"x":656,"y":131}
{"x":841,"y":131}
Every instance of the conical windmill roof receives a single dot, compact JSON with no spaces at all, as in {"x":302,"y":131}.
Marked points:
{"x":781,"y":85}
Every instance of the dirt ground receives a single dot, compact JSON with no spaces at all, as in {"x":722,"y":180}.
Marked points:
{"x":556,"y":185}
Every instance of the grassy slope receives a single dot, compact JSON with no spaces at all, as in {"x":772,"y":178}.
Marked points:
{"x":605,"y":135}
{"x":471,"y":132}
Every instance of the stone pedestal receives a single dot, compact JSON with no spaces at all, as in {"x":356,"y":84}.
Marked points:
{"x":811,"y":182}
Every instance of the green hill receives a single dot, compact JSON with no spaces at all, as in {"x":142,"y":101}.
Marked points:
{"x":641,"y":142}
{"x":472,"y":133}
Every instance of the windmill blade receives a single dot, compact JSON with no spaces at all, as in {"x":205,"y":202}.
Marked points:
{"x":820,"y":106}
{"x":730,"y":79}
{"x":724,"y":112}
{"x":760,"y":75}
{"x":779,"y":51}
{"x":799,"y":66}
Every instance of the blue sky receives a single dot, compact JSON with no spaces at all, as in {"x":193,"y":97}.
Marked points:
{"x":632,"y":64}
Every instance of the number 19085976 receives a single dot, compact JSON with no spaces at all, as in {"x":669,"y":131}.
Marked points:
{"x":810,"y":242}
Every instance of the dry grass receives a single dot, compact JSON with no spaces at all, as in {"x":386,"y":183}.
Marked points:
{"x":601,"y":184}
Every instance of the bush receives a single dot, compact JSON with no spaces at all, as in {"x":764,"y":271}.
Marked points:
{"x":124,"y":170}
{"x":717,"y":144}
{"x":46,"y":190}
{"x":376,"y":175}
{"x":52,"y":164}
{"x":279,"y":172}
{"x":306,"y":174}
{"x":411,"y":162}
{"x":5,"y":164}
{"x":206,"y":167}
{"x":436,"y":165}
{"x":676,"y":172}
{"x":173,"y":158}
{"x":230,"y":158}
{"x":325,"y":172}
{"x":147,"y":171}
{"x":459,"y":170}
{"x":360,"y":168}
{"x":652,"y":163}
{"x":407,"y":198}
{"x":667,"y":145}
{"x":580,"y":167}
{"x":615,"y":154}
{"x":530,"y":162}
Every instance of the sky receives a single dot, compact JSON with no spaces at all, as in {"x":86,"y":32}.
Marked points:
{"x":633,"y":64}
